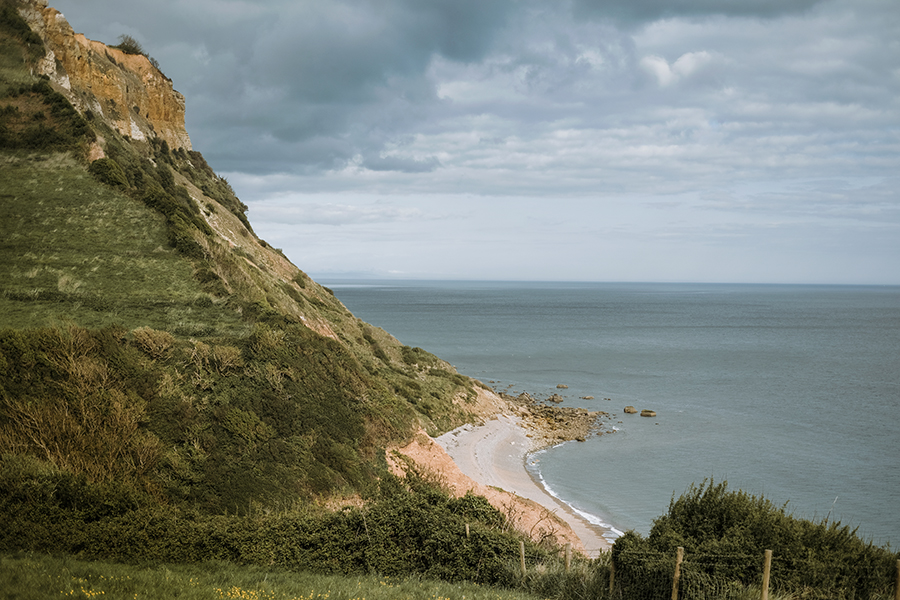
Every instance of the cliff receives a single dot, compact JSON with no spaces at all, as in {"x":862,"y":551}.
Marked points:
{"x":126,"y":90}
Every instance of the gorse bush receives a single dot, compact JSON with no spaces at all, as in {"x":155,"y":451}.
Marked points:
{"x":155,"y":343}
{"x":65,"y":401}
{"x":108,"y":171}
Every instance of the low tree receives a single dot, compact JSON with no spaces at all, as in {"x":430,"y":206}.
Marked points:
{"x":129,"y":45}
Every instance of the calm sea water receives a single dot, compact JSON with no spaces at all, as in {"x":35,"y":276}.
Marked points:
{"x":791,"y":392}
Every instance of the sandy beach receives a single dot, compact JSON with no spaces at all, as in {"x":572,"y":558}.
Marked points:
{"x":489,"y":460}
{"x":494,"y":454}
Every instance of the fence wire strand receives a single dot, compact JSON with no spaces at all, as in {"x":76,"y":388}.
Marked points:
{"x":649,"y":576}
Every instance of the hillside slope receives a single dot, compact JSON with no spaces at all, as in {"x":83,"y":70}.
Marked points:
{"x":148,"y":335}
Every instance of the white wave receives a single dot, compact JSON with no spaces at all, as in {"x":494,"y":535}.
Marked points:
{"x":610,"y":533}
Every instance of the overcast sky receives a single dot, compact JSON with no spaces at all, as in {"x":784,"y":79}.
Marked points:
{"x":600,"y":140}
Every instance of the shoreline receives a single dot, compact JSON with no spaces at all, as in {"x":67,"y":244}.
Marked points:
{"x":489,"y":459}
{"x":495,"y":454}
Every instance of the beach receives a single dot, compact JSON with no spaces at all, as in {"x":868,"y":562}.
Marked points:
{"x":489,"y":459}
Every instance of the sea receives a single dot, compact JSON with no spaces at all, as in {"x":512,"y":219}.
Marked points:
{"x":790,"y":392}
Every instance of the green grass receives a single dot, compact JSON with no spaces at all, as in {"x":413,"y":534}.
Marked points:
{"x":75,"y":250}
{"x":37,"y":576}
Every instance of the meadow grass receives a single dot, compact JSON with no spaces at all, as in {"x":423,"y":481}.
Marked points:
{"x":38,"y":576}
{"x":79,"y":251}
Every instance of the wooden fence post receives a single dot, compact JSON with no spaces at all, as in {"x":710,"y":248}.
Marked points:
{"x":522,"y":557}
{"x":612,"y":575}
{"x":897,"y":583}
{"x":767,"y":570}
{"x":679,"y":557}
{"x":568,"y":557}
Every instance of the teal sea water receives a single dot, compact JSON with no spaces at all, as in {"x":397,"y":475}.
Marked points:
{"x":791,"y":392}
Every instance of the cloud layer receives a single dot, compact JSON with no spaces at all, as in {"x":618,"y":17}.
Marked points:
{"x":649,"y":139}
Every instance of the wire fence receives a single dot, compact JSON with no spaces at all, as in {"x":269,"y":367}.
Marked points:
{"x":659,"y":576}
{"x":679,"y":576}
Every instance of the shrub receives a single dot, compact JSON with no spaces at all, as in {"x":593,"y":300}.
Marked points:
{"x":129,"y":45}
{"x":417,"y":356}
{"x":737,"y":528}
{"x":108,"y":171}
{"x":63,"y":130}
{"x":77,"y":398}
{"x":226,"y":359}
{"x":154,"y":343}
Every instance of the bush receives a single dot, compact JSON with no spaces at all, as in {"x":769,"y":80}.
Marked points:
{"x":129,"y":45}
{"x":63,"y":130}
{"x":417,"y":356}
{"x":155,"y":344}
{"x":405,"y":528}
{"x":108,"y":171}
{"x":736,"y":528}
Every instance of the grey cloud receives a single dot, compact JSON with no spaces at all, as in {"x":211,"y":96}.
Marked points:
{"x":724,"y":105}
{"x":296,"y":71}
{"x":312,"y":213}
{"x":397,"y":163}
{"x":644,"y":11}
{"x":875,"y":202}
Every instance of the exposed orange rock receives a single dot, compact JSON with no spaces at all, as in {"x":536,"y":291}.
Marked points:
{"x":126,"y":90}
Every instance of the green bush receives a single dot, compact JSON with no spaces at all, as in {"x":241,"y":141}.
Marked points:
{"x":405,"y":528}
{"x":734,"y":528}
{"x":108,"y":171}
{"x":417,"y":356}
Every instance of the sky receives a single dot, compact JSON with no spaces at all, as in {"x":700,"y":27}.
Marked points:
{"x":748,"y":141}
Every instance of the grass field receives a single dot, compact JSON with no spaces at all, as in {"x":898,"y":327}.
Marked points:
{"x":39,"y":577}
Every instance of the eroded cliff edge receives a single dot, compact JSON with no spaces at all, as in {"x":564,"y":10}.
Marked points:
{"x":127,"y":90}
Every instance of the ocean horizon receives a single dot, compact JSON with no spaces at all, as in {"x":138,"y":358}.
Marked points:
{"x":785,"y":391}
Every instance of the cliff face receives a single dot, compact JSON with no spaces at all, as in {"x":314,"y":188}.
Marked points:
{"x":126,"y":90}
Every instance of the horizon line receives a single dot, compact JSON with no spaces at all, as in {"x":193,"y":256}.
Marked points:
{"x":392,"y":278}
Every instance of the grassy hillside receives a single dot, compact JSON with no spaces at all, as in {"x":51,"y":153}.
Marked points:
{"x":144,"y":266}
{"x":173,"y":387}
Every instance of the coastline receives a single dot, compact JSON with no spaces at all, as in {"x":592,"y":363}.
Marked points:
{"x":490,"y":460}
{"x":495,"y":453}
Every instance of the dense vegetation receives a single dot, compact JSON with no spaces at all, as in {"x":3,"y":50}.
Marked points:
{"x":725,"y":533}
{"x":403,"y":527}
